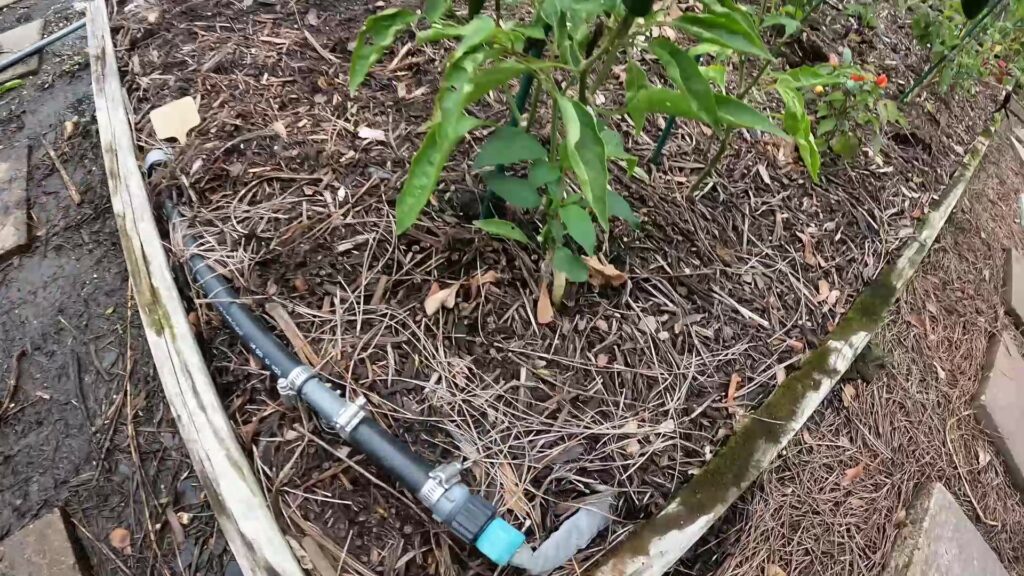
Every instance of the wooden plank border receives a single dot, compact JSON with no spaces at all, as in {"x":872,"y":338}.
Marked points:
{"x":659,"y":542}
{"x":235,"y":495}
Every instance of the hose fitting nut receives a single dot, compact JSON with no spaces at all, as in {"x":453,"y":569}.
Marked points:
{"x":349,"y":417}
{"x":289,"y":386}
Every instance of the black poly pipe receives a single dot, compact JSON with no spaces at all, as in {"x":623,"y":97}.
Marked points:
{"x":39,"y":46}
{"x":386,"y":451}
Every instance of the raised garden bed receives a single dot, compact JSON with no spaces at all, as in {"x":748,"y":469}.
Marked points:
{"x":289,"y":182}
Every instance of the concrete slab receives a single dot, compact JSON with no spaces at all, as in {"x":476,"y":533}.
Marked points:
{"x":939,"y":540}
{"x":1013,"y":286}
{"x":47,"y":546}
{"x":6,"y":3}
{"x":18,"y":39}
{"x":13,"y":201}
{"x":1000,"y":403}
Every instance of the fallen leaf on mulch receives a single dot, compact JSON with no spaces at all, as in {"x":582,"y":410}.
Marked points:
{"x":852,"y":475}
{"x":484,"y":278}
{"x":602,"y":360}
{"x":773,"y":570}
{"x":984,"y":457}
{"x":632,"y":445}
{"x":809,"y":255}
{"x":545,"y":313}
{"x":734,"y":386}
{"x":823,"y":291}
{"x":780,"y":375}
{"x":121,"y":539}
{"x":175,"y":119}
{"x":367,"y":133}
{"x":604,"y":274}
{"x":438,"y":298}
{"x":301,"y":285}
{"x":278,"y":127}
{"x":849,"y":395}
{"x":919,"y":322}
{"x":796,"y":346}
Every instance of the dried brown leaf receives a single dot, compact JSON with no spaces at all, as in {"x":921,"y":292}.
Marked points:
{"x":121,"y":539}
{"x":367,"y":133}
{"x":849,"y":395}
{"x":852,"y":475}
{"x":545,"y":313}
{"x":735,"y":382}
{"x":604,"y":274}
{"x":439,"y":298}
{"x":175,"y":119}
{"x":773,"y":570}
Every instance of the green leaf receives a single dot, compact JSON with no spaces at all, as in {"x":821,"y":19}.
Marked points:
{"x":580,"y":227}
{"x":613,"y":146}
{"x":663,"y":101}
{"x":714,"y":74}
{"x":574,"y":268}
{"x":373,"y":40}
{"x":619,"y":208}
{"x":726,"y":30}
{"x":516,"y":191}
{"x":475,"y":32}
{"x":585,"y":149}
{"x":798,"y":125}
{"x":684,"y":73}
{"x":426,"y":168}
{"x":502,"y":228}
{"x":807,"y":76}
{"x":543,"y":173}
{"x":737,"y":114}
{"x":826,"y":125}
{"x":434,"y":9}
{"x":491,"y":78}
{"x":846,"y":145}
{"x":508,"y":145}
{"x":636,"y":80}
{"x":790,"y":25}
{"x":568,"y":51}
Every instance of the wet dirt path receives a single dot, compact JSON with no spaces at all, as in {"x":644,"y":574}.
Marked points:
{"x":74,"y":352}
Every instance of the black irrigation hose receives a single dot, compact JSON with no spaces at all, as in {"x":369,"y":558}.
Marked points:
{"x":39,"y":46}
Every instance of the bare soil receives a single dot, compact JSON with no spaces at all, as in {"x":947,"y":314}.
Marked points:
{"x":71,"y":348}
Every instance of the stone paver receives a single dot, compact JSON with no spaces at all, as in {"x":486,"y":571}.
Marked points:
{"x":1000,"y":403}
{"x":939,"y":540}
{"x":45,"y":547}
{"x":18,"y":39}
{"x":1013,"y":286}
{"x":13,"y":201}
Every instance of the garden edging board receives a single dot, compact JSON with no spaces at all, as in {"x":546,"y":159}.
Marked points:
{"x":235,"y":495}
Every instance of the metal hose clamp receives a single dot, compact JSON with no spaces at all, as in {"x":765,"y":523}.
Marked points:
{"x":289,"y":386}
{"x":439,"y":481}
{"x":349,"y":416}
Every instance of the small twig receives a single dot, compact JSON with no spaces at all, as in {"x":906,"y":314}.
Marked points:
{"x":960,"y":470}
{"x":12,"y":384}
{"x":72,"y":189}
{"x":102,"y":547}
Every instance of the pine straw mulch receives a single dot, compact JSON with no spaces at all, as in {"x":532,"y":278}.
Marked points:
{"x":623,"y":393}
{"x":911,"y":425}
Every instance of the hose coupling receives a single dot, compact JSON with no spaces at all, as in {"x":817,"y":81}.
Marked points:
{"x":349,"y":416}
{"x":289,"y":386}
{"x":441,"y":479}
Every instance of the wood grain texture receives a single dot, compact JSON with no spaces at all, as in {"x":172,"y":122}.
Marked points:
{"x":235,"y":495}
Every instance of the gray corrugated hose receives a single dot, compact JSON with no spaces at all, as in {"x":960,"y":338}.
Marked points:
{"x":571,"y":537}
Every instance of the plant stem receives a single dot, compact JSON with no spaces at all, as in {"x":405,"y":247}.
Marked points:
{"x":713,"y":163}
{"x":727,"y":137}
{"x":964,"y":39}
{"x":611,"y":44}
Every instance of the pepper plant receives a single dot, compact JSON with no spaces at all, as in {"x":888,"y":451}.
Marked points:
{"x":560,"y":174}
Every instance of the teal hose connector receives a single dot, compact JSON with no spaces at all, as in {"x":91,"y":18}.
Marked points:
{"x":499,"y":541}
